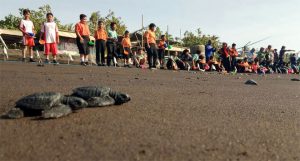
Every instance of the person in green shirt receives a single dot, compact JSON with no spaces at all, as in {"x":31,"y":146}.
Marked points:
{"x":112,"y":44}
{"x":261,"y":56}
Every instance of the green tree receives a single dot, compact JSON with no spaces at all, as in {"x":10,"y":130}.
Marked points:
{"x":158,"y":32}
{"x":95,"y":17}
{"x":38,"y":17}
{"x":198,"y":38}
{"x":10,"y":22}
{"x":107,"y":19}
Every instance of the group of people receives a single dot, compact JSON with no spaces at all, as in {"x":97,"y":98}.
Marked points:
{"x":224,"y":59}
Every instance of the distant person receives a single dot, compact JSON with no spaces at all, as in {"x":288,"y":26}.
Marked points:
{"x":224,"y":53}
{"x":27,"y":28}
{"x":172,"y":62}
{"x":139,"y":58}
{"x":282,"y":56}
{"x":49,"y":33}
{"x":276,"y":60}
{"x":112,"y":45}
{"x":269,"y":57}
{"x":244,"y":66}
{"x":214,"y":65}
{"x":261,"y":56}
{"x":251,"y":55}
{"x":198,"y":61}
{"x":151,"y":46}
{"x":209,"y":50}
{"x":83,"y":37}
{"x":255,"y":66}
{"x":126,"y":44}
{"x":186,"y":56}
{"x":101,"y":38}
{"x":293,"y":60}
{"x":233,"y":54}
{"x":161,"y":50}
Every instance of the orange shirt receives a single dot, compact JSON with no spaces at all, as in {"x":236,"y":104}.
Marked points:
{"x":150,"y":36}
{"x":126,"y":43}
{"x":82,"y":29}
{"x":100,"y":34}
{"x":233,"y":52}
{"x":161,"y":44}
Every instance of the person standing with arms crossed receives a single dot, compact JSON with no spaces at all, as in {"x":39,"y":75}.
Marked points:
{"x":83,"y":37}
{"x":101,"y":37}
{"x":151,"y":46}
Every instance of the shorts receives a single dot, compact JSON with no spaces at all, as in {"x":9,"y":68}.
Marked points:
{"x":51,"y":47}
{"x":28,"y":41}
{"x":83,"y":47}
{"x":127,"y":52}
{"x":161,"y":54}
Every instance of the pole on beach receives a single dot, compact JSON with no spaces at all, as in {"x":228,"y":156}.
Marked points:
{"x":5,"y":48}
{"x":168,"y":40}
{"x":142,"y":31}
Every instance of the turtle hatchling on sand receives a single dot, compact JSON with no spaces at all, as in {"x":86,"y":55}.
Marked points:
{"x":47,"y":105}
{"x":100,"y":96}
{"x":55,"y":105}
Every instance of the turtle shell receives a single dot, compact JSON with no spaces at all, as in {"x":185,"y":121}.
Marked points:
{"x":39,"y":101}
{"x":91,"y":91}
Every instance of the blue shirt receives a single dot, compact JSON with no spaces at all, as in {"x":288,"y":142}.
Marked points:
{"x":209,"y":50}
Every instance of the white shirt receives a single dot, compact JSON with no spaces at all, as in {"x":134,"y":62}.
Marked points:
{"x":27,"y":26}
{"x":50,"y":30}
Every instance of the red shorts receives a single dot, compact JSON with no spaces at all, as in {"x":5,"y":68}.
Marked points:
{"x":28,"y":41}
{"x":51,"y":48}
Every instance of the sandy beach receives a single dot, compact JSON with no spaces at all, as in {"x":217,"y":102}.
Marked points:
{"x":173,"y":115}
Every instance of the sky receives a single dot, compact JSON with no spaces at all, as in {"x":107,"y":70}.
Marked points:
{"x":234,"y":21}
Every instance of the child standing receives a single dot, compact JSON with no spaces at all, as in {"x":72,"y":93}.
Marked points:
{"x":161,"y":50}
{"x":83,"y":37}
{"x":27,"y":28}
{"x":126,"y":44}
{"x":112,"y":44}
{"x":233,"y":55}
{"x":101,"y":38}
{"x":49,"y":32}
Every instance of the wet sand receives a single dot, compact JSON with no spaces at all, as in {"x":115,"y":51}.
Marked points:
{"x":172,"y":116}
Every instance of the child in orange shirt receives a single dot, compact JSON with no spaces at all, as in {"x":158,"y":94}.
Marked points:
{"x":161,"y":50}
{"x":101,"y":38}
{"x":126,"y":44}
{"x":83,"y":37}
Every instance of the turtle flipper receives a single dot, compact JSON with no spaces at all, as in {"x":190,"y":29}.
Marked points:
{"x":119,"y":97}
{"x":56,"y":112}
{"x":15,"y":113}
{"x":100,"y":101}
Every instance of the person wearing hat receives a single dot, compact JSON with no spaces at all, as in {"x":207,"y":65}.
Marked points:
{"x":151,"y":46}
{"x":83,"y":37}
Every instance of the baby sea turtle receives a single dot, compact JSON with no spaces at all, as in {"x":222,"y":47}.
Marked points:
{"x":54,"y":105}
{"x":100,"y":96}
{"x":46,"y":105}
